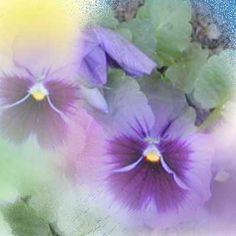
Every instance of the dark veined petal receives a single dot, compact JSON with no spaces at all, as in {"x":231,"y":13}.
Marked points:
{"x":140,"y":186}
{"x":63,"y":94}
{"x":125,"y":150}
{"x":17,"y":123}
{"x":53,"y":120}
{"x":176,"y":154}
{"x":23,"y":116}
{"x":51,"y":126}
{"x":13,"y":88}
{"x":14,"y":122}
{"x":31,"y":117}
{"x":146,"y":182}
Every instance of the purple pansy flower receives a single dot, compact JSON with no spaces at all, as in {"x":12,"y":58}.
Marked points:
{"x":38,"y":105}
{"x":101,"y":48}
{"x":158,"y":169}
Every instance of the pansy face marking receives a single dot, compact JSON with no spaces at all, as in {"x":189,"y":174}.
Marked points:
{"x":148,"y":169}
{"x":39,"y":105}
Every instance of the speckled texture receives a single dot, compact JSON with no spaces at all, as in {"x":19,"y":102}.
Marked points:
{"x":208,"y":31}
{"x":126,"y":9}
{"x":206,"y":27}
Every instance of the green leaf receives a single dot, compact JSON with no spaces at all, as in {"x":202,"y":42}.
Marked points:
{"x":24,"y":169}
{"x":143,"y":35}
{"x":171,"y":21}
{"x":5,"y":229}
{"x":216,"y":81}
{"x":125,"y":32}
{"x":78,"y":210}
{"x":184,"y":73}
{"x":24,"y":221}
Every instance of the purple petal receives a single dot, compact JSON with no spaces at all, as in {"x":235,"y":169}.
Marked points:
{"x":100,"y":47}
{"x":126,"y":103}
{"x":13,"y":88}
{"x":145,"y":183}
{"x":93,"y":68}
{"x":95,"y":98}
{"x":222,"y":205}
{"x":126,"y":55}
{"x":29,"y":117}
{"x":17,"y":123}
{"x":167,"y":103}
{"x":176,"y":154}
{"x":63,"y":94}
{"x":51,"y":128}
{"x":125,"y":150}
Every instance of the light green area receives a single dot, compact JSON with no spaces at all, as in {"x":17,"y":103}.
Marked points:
{"x":23,"y":169}
{"x":142,"y":34}
{"x":216,"y":81}
{"x":26,"y":170}
{"x":24,"y":221}
{"x":184,"y":72}
{"x":107,"y":18}
{"x":171,"y":22}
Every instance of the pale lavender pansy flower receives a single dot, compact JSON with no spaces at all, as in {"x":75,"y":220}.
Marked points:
{"x":36,"y":104}
{"x":160,"y":169}
{"x":36,"y":98}
{"x":101,"y":48}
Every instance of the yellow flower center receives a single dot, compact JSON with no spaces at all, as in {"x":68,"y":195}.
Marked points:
{"x":38,"y":92}
{"x":38,"y":95}
{"x":153,"y":157}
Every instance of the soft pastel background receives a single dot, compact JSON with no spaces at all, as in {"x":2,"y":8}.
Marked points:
{"x":34,"y":182}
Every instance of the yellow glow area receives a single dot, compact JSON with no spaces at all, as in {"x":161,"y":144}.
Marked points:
{"x":51,"y":17}
{"x":153,"y":157}
{"x":53,"y":24}
{"x":38,"y":95}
